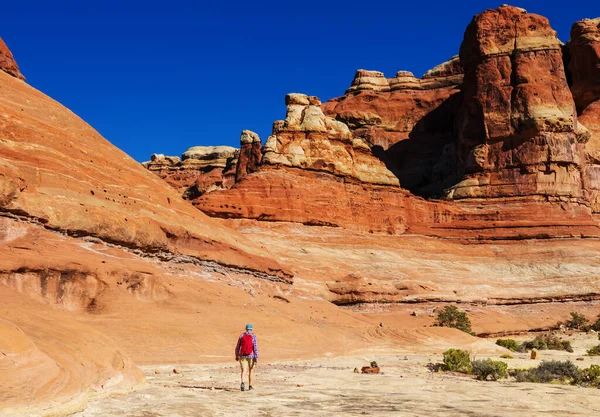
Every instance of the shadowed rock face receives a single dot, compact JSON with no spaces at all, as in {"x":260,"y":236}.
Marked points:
{"x":8,"y":63}
{"x":408,"y":121}
{"x":584,"y":65}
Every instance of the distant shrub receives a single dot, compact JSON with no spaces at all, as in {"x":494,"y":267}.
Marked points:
{"x":546,"y":341}
{"x":577,"y":321}
{"x":457,"y":360}
{"x":451,"y":316}
{"x":594,"y":351}
{"x":509,"y":344}
{"x":549,"y":371}
{"x":507,"y":356}
{"x":489,"y":368}
{"x":596,"y":326}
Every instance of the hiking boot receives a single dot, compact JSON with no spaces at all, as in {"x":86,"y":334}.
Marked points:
{"x":243,"y":387}
{"x":250,"y":388}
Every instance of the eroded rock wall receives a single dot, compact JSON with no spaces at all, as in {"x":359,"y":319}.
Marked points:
{"x":517,"y":128}
{"x":584,"y":66}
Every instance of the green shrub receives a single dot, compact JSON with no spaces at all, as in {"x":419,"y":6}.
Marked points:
{"x":577,"y":321}
{"x":594,"y":351}
{"x":507,"y":356}
{"x":589,"y":377}
{"x":596,"y":326}
{"x":509,"y":344}
{"x":451,"y":316}
{"x":457,"y":360}
{"x":549,"y":371}
{"x":489,"y":368}
{"x":546,"y":341}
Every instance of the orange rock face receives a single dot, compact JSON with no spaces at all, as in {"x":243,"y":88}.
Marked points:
{"x":8,"y":63}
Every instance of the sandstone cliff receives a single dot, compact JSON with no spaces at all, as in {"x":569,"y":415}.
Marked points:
{"x":584,"y":65}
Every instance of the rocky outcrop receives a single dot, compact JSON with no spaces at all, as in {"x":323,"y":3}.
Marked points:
{"x":408,"y":121}
{"x":250,"y":154}
{"x":584,"y":66}
{"x":517,"y":129}
{"x":310,"y":140}
{"x":200,"y":169}
{"x":584,"y":51}
{"x":8,"y":63}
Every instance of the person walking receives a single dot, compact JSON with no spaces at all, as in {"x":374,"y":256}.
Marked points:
{"x":246,"y":353}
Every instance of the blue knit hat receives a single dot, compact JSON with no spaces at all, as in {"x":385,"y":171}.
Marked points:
{"x":248,"y":326}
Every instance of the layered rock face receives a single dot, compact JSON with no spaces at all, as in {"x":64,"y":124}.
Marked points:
{"x":517,"y":129}
{"x":8,"y":63}
{"x":408,"y":121}
{"x":200,"y":169}
{"x":584,"y":65}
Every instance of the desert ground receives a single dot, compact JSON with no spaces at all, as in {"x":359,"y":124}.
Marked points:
{"x":328,"y":387}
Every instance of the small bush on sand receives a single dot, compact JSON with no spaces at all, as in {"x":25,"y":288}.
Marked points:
{"x":451,"y":316}
{"x":589,"y":377}
{"x":507,"y":356}
{"x":546,"y":341}
{"x":594,"y":351}
{"x":489,"y":368}
{"x":457,"y":360}
{"x":509,"y":344}
{"x":549,"y":371}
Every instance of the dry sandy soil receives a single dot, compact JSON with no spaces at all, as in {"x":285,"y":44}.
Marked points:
{"x":328,"y":387}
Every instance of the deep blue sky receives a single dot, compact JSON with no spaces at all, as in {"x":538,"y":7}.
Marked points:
{"x":161,"y":76}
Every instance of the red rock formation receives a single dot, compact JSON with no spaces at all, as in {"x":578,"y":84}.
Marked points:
{"x":518,"y":131}
{"x":250,"y":154}
{"x":584,"y":49}
{"x":584,"y":64}
{"x":520,"y":144}
{"x":8,"y":63}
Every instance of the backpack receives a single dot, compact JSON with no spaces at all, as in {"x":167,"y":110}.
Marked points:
{"x":247,"y":346}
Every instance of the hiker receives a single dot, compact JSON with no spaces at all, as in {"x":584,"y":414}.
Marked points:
{"x":246,"y":352}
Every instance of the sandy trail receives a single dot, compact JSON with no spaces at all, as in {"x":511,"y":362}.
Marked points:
{"x":328,"y":387}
